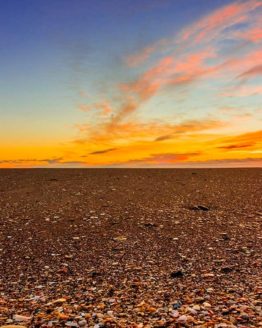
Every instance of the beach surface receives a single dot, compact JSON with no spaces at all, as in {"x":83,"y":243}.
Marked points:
{"x":131,"y":248}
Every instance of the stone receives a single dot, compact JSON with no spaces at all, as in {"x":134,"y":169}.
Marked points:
{"x":18,"y":317}
{"x":199,"y":208}
{"x":177,"y":305}
{"x":177,"y":274}
{"x":71,"y":324}
{"x":182,"y":319}
{"x":82,"y":323}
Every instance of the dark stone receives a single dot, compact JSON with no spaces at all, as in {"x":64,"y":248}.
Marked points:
{"x":227,"y":269}
{"x":225,"y":236}
{"x":199,"y":208}
{"x":111,"y":292}
{"x":150,"y":225}
{"x":177,"y":305}
{"x":177,"y":274}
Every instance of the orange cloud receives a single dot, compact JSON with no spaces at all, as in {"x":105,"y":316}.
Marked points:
{"x":166,"y":158}
{"x":237,"y":146}
{"x":243,"y":141}
{"x":103,"y":107}
{"x":126,"y":132}
{"x":103,"y":151}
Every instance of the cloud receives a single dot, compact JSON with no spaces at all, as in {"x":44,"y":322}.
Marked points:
{"x":228,"y":162}
{"x":254,"y":71}
{"x":245,"y":142}
{"x":252,"y":35}
{"x":31,"y":160}
{"x":169,"y":71}
{"x":218,"y":25}
{"x":141,"y":56}
{"x":139,"y":131}
{"x":216,"y":163}
{"x":194,"y":57}
{"x":213,"y":25}
{"x":236,"y":146}
{"x":103,"y":107}
{"x":243,"y":91}
{"x":161,"y":159}
{"x":165,"y":137}
{"x":103,"y":151}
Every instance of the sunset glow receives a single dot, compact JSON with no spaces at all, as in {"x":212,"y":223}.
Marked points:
{"x":131,"y":83}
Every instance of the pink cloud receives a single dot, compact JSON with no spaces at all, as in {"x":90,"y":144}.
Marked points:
{"x":244,"y":91}
{"x":103,"y":107}
{"x":168,"y":71}
{"x":208,"y":28}
{"x":253,"y":71}
{"x":253,"y":35}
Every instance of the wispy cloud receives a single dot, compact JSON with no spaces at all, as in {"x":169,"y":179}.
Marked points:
{"x":160,"y":159}
{"x":219,"y":163}
{"x":243,"y":91}
{"x":195,"y":54}
{"x":103,"y":107}
{"x":214,"y":26}
{"x":103,"y":151}
{"x":236,"y":146}
{"x":253,"y":71}
{"x":156,"y":131}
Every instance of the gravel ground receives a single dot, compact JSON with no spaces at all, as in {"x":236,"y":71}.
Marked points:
{"x":130,"y":248}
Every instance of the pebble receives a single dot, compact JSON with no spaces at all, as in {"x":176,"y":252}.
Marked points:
{"x":18,"y":317}
{"x":82,"y":323}
{"x":177,"y":274}
{"x":182,"y":319}
{"x":71,"y":324}
{"x":175,"y":314}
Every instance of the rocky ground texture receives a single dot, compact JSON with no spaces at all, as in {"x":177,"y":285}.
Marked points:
{"x":131,"y":248}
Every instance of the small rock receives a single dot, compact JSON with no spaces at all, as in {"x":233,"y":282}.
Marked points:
{"x":227,"y":269}
{"x":120,"y":238}
{"x":177,"y":305}
{"x":150,"y":225}
{"x":175,"y":314}
{"x":18,"y":317}
{"x":208,"y":275}
{"x":177,"y":274}
{"x":71,"y":324}
{"x":200,"y":208}
{"x":82,"y":323}
{"x":196,"y":307}
{"x":182,"y":319}
{"x":207,"y":305}
{"x":225,"y":236}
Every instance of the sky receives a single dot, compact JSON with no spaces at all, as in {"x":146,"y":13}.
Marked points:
{"x":130,"y":83}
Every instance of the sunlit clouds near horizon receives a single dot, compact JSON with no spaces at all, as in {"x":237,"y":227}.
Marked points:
{"x":131,"y":84}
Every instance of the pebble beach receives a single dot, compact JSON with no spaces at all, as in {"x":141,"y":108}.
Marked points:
{"x":135,"y":248}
